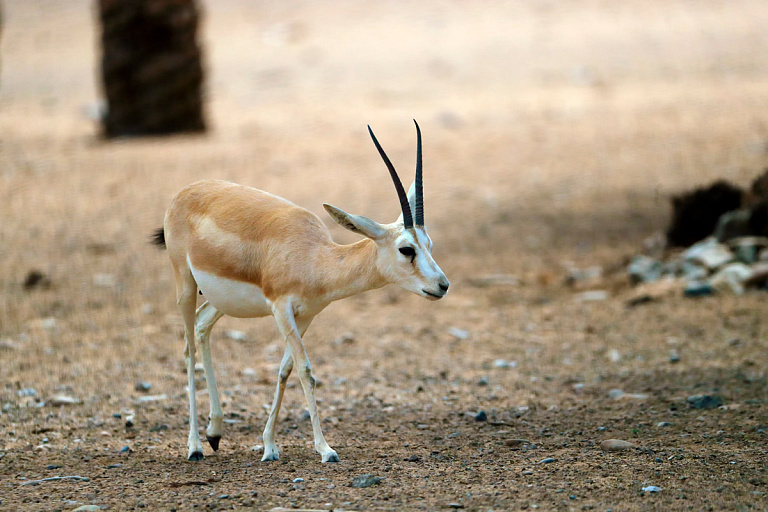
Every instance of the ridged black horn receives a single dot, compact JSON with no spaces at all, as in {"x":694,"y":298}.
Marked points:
{"x":404,"y":206}
{"x":418,"y":217}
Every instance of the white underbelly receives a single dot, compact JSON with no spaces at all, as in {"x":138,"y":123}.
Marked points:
{"x":233,"y":298}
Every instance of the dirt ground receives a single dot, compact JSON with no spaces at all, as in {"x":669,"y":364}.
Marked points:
{"x":554,"y":134}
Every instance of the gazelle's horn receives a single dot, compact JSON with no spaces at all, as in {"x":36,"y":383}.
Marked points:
{"x":418,"y":218}
{"x":404,"y":206}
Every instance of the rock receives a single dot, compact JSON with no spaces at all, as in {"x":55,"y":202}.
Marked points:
{"x":644,"y":269}
{"x":747,"y":249}
{"x":129,"y":421}
{"x":759,"y":277}
{"x":365,"y":481}
{"x":36,"y":279}
{"x":61,"y":400}
{"x":674,"y":357}
{"x":483,"y":381}
{"x":87,"y":508}
{"x":455,"y":505}
{"x":584,"y":277}
{"x":591,"y":296}
{"x":257,"y":448}
{"x":691,"y":271}
{"x":481,"y":416}
{"x":235,"y":335}
{"x":151,"y":398}
{"x":664,"y":424}
{"x":298,"y":480}
{"x":650,"y":292}
{"x":708,"y":253}
{"x":618,"y":394}
{"x":516,"y":442}
{"x":457,"y":333}
{"x":704,"y":401}
{"x":249,"y":372}
{"x":548,"y":460}
{"x":651,"y":488}
{"x":27,"y":392}
{"x":126,"y":449}
{"x":731,"y":278}
{"x":143,"y":386}
{"x":616,"y":445}
{"x":104,"y":280}
{"x":698,"y":289}
{"x":501,"y":363}
{"x":614,"y":355}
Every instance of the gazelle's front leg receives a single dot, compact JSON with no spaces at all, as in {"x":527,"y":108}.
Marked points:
{"x":205,"y":317}
{"x":283,"y":313}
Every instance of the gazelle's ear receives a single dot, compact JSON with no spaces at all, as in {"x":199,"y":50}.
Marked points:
{"x":356,"y":223}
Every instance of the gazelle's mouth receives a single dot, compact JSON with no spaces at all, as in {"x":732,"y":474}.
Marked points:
{"x":433,"y":296}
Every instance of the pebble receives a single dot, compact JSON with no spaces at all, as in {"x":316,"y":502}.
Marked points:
{"x":644,"y":269}
{"x":548,"y":460}
{"x":651,"y":488}
{"x":516,"y":442}
{"x":455,"y":505}
{"x":143,"y":386}
{"x":665,"y":424}
{"x":457,"y":333}
{"x":236,"y":335}
{"x":114,"y":466}
{"x":257,"y":448}
{"x":87,"y":508}
{"x":591,"y":296}
{"x":126,"y":449}
{"x":709,"y":253}
{"x":129,"y":421}
{"x":616,"y":445}
{"x":52,"y":466}
{"x":732,"y":277}
{"x":698,"y":289}
{"x":705,"y":401}
{"x":501,"y":363}
{"x":484,"y":381}
{"x":365,"y":481}
{"x":618,"y":394}
{"x":27,"y":392}
{"x":152,"y":398}
{"x":60,"y":400}
{"x":481,"y":416}
{"x":298,"y":480}
{"x":674,"y":357}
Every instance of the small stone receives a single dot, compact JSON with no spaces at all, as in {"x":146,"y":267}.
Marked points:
{"x":87,"y":508}
{"x":27,"y":392}
{"x":698,"y":289}
{"x":455,"y":505}
{"x":413,"y":458}
{"x":457,"y":333}
{"x":365,"y":481}
{"x":36,"y":279}
{"x":126,"y":449}
{"x":257,"y":448}
{"x":484,"y":381}
{"x":516,"y":442}
{"x":548,"y":460}
{"x":151,"y":398}
{"x":644,"y":269}
{"x":62,"y":400}
{"x":481,"y":416}
{"x":114,"y":466}
{"x":249,"y":372}
{"x":616,"y":445}
{"x":614,"y":355}
{"x":664,"y":424}
{"x":104,"y":280}
{"x":708,"y":253}
{"x":674,"y":357}
{"x":704,"y":401}
{"x":591,"y":296}
{"x":129,"y":421}
{"x":731,"y":278}
{"x":52,"y":466}
{"x":142,"y":386}
{"x":616,"y":394}
{"x":527,"y":472}
{"x":501,"y":363}
{"x":298,"y":480}
{"x":159,"y":428}
{"x":236,"y":335}
{"x":651,"y":488}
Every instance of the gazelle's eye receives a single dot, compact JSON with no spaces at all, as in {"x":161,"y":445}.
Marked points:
{"x":408,"y":252}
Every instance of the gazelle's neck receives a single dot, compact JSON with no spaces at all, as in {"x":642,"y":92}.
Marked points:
{"x":351,"y":269}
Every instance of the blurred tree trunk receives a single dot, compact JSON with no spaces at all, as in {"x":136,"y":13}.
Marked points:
{"x":151,"y":67}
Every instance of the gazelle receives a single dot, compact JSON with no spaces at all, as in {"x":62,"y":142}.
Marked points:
{"x":253,"y":254}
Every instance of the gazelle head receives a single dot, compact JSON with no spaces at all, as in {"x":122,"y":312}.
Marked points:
{"x":404,"y":247}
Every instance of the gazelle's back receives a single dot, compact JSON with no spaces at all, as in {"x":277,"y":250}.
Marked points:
{"x":239,"y":233}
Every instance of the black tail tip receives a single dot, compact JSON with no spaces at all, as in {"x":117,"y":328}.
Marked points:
{"x":158,"y":238}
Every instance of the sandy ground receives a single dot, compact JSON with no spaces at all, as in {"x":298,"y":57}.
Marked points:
{"x":554,"y":133}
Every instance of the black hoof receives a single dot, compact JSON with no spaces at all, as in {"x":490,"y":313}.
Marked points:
{"x":214,"y":442}
{"x":195,"y":456}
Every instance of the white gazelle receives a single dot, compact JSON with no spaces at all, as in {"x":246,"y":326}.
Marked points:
{"x":253,"y":254}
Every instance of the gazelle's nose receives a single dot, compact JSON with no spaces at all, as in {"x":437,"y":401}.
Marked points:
{"x":444,"y":285}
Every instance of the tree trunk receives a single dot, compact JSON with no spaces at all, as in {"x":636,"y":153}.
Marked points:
{"x":151,"y":67}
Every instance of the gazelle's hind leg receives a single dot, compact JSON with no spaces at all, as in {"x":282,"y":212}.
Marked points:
{"x":270,"y":446}
{"x":205,"y":318}
{"x":186,"y":297}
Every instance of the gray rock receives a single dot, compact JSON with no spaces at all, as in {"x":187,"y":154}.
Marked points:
{"x":481,"y":416}
{"x":143,"y":386}
{"x":457,"y":333}
{"x":644,"y":269}
{"x":548,"y":460}
{"x":365,"y":481}
{"x":731,"y":278}
{"x":698,"y":289}
{"x":27,"y":392}
{"x":733,"y":224}
{"x":87,"y":508}
{"x":665,"y":424}
{"x":704,"y":401}
{"x":616,"y":445}
{"x":591,"y":296}
{"x":708,"y":253}
{"x":651,"y":488}
{"x":693,"y":271}
{"x":61,"y":400}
